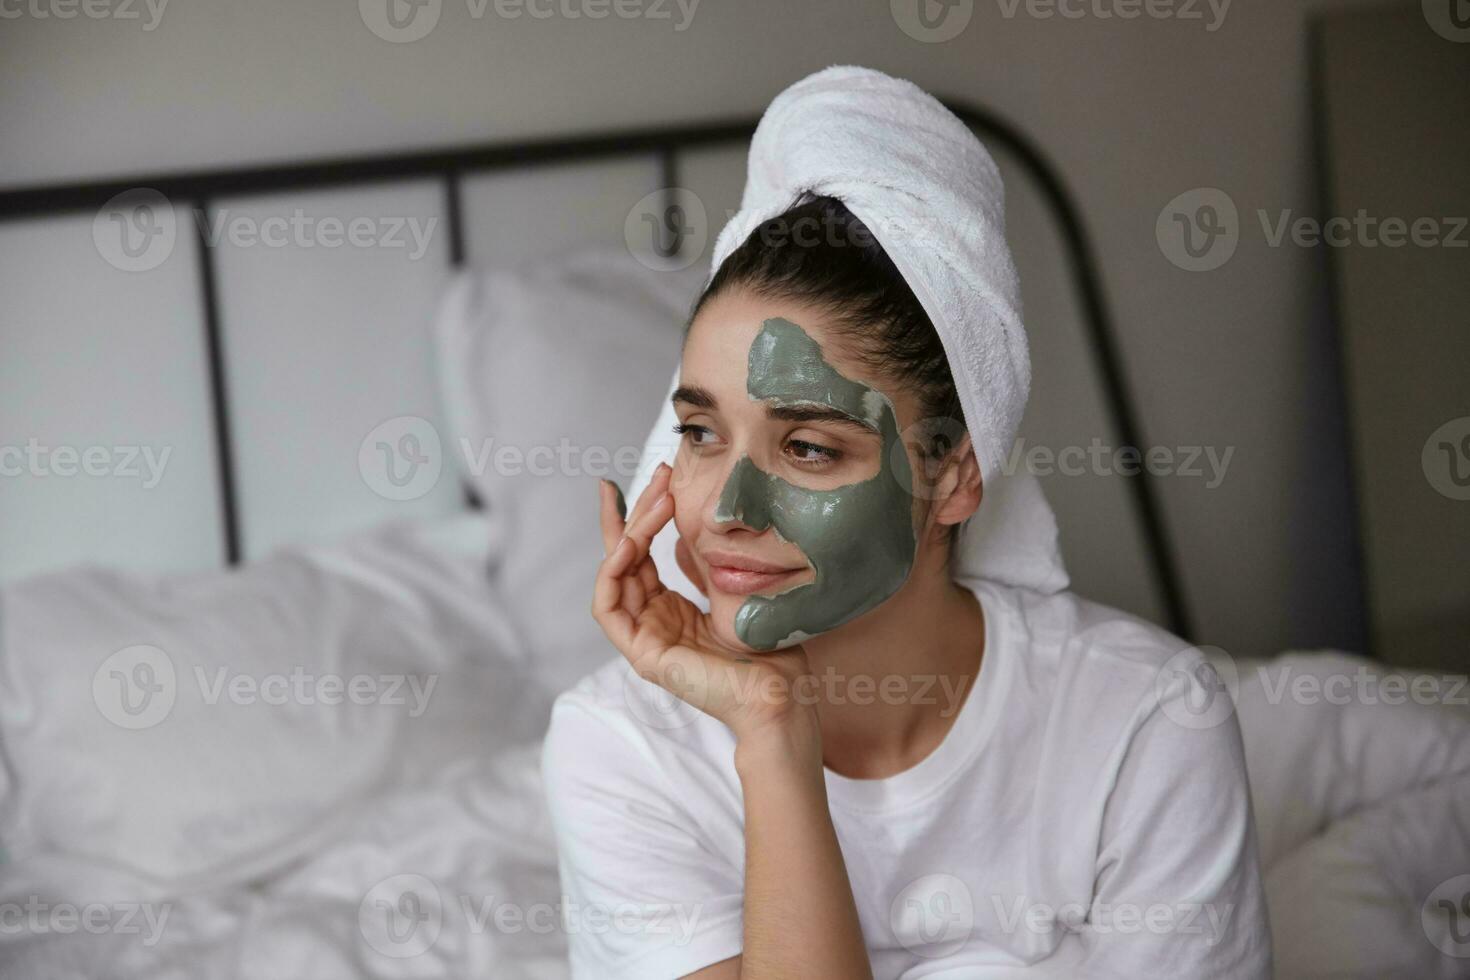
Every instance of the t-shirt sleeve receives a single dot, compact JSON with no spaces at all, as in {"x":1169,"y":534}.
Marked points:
{"x":644,"y":896}
{"x":1178,"y":890}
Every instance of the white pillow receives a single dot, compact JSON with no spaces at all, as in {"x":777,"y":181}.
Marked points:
{"x":1360,"y":780}
{"x":1366,"y":899}
{"x":552,"y":374}
{"x":1329,"y":734}
{"x":205,"y":729}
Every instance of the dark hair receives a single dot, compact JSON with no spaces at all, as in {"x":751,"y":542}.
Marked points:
{"x":819,"y":253}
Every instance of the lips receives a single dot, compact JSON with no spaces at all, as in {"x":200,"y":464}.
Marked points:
{"x":743,"y":575}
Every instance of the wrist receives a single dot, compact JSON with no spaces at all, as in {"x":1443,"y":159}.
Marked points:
{"x":793,"y":742}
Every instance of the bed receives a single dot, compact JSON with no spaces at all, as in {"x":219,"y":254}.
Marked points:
{"x":279,"y":713}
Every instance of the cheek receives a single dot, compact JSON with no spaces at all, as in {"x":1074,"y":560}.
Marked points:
{"x":685,"y":486}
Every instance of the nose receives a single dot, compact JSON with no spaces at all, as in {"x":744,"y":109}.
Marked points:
{"x":745,"y":499}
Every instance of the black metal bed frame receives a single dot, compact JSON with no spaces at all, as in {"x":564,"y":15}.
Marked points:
{"x":201,"y":188}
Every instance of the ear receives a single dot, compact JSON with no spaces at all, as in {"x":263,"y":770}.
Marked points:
{"x":959,"y":489}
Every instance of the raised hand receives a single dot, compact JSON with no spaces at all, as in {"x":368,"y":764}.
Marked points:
{"x":668,"y":640}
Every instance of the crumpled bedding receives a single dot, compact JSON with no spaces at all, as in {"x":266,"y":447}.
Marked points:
{"x":1360,"y":782}
{"x":444,"y":866}
{"x":455,"y":877}
{"x":348,"y":840}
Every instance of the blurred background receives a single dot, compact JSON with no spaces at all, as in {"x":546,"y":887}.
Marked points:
{"x":318,"y":320}
{"x":1132,"y":105}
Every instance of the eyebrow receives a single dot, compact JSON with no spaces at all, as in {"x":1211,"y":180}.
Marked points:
{"x":697,"y":397}
{"x":694,"y":396}
{"x":816,"y":413}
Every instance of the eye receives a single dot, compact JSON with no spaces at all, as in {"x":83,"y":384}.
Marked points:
{"x":699,"y":435}
{"x":810,"y":454}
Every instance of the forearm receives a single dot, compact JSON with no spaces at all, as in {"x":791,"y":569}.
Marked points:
{"x":800,"y":918}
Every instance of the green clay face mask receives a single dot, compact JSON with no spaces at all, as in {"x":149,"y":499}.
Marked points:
{"x":859,"y":538}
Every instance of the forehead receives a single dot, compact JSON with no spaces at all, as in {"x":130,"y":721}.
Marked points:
{"x":717,"y":351}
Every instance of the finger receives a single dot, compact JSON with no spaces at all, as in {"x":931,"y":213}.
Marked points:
{"x":647,"y":574}
{"x":631,"y":563}
{"x":647,"y":570}
{"x":635,"y":599}
{"x":623,"y":559}
{"x":621,"y":501}
{"x":640,"y":579}
{"x":609,"y":516}
{"x":658,"y":483}
{"x":607,"y":595}
{"x":634,"y":594}
{"x":629,"y":559}
{"x":642,"y":529}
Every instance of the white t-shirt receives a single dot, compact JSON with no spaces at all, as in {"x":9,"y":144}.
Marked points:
{"x":1086,"y":815}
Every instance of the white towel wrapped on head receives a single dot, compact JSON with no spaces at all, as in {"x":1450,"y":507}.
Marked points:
{"x":929,"y":192}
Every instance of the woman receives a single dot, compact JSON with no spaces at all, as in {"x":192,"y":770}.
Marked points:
{"x":896,"y":768}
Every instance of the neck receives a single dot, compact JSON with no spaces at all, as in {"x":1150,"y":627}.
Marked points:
{"x":892,"y":681}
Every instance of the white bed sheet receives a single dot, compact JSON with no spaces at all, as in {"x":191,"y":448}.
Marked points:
{"x":444,"y":810}
{"x":443,"y":865}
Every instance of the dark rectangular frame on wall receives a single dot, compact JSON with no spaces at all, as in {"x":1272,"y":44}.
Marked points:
{"x":450,"y":165}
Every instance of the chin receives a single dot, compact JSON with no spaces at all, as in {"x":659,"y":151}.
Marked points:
{"x":722,"y":612}
{"x":723,"y":609}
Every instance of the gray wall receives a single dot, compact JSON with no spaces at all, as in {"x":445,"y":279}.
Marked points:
{"x":1132,"y":111}
{"x":1405,"y":315}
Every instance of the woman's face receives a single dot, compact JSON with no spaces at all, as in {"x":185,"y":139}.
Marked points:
{"x":792,"y":487}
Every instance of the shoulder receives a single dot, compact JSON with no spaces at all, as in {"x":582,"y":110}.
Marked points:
{"x":1086,"y":647}
{"x":1108,"y":636}
{"x":614,"y":727}
{"x":1107,"y":675}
